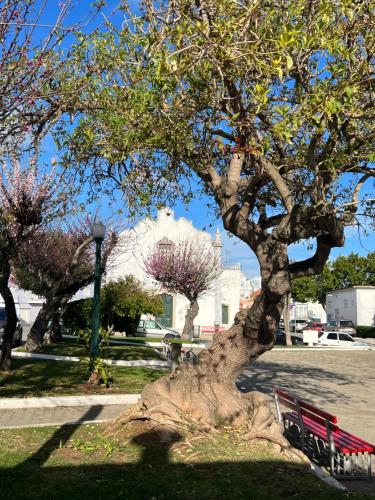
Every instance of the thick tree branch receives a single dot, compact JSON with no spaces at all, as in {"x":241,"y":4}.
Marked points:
{"x":315,"y":264}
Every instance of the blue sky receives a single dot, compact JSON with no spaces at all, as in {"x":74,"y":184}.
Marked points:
{"x":234,"y":250}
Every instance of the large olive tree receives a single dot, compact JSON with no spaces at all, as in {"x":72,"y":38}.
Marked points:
{"x":270,"y":106}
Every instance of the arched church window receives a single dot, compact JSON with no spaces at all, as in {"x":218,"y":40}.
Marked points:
{"x":165,"y":246}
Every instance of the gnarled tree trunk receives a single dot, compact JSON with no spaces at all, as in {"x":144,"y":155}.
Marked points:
{"x":204,"y":394}
{"x":41,"y":324}
{"x":191,"y":314}
{"x":54,"y":333}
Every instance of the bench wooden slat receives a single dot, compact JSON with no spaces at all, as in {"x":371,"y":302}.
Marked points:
{"x":344,"y":441}
{"x":307,"y":406}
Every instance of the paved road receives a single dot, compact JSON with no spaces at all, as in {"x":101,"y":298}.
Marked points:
{"x":343,"y":383}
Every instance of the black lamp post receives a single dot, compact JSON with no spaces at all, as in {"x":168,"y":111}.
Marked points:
{"x":98,"y":232}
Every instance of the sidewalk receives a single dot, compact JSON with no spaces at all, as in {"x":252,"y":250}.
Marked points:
{"x":26,"y":412}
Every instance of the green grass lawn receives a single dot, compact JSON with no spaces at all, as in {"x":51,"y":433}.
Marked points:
{"x":124,"y":352}
{"x":79,"y":463}
{"x":34,"y":377}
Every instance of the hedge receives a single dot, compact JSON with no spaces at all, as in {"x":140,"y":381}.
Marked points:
{"x":366,"y":332}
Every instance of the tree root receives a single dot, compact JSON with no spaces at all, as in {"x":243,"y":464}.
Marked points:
{"x":171,"y":419}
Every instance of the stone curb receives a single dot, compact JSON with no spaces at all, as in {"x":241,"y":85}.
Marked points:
{"x":191,"y":345}
{"x":328,"y":479}
{"x":138,"y":363}
{"x":323,"y":348}
{"x":66,"y":401}
{"x":56,"y":424}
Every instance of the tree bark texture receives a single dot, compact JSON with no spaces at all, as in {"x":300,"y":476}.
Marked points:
{"x":191,"y":314}
{"x":34,"y":341}
{"x":11,"y":314}
{"x":54,"y":332}
{"x":10,"y":327}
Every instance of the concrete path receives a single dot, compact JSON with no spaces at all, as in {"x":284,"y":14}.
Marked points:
{"x":40,"y":417}
{"x":35,"y":412}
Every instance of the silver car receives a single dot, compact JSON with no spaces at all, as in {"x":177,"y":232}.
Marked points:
{"x":152,"y":328}
{"x":17,"y":339}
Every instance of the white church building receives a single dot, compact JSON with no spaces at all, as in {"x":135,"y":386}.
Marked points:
{"x":217,"y":306}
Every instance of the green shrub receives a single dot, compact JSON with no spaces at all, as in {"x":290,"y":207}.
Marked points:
{"x":77,"y":315}
{"x":366,"y":332}
{"x":121,"y":306}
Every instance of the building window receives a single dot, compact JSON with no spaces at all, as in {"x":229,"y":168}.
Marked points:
{"x":165,"y":246}
{"x":224,"y":314}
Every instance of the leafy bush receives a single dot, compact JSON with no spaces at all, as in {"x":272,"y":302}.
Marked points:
{"x":77,"y":315}
{"x":121,"y":306}
{"x":366,"y":332}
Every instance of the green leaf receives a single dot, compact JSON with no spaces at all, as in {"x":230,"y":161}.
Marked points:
{"x":289,"y":62}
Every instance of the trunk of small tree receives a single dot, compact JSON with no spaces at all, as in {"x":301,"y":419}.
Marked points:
{"x":11,"y":323}
{"x":288,"y":337}
{"x":204,"y":394}
{"x":191,"y":314}
{"x":34,"y":341}
{"x":54,"y":330}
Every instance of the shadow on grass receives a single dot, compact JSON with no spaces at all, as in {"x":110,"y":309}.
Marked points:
{"x":59,"y":439}
{"x":155,"y":476}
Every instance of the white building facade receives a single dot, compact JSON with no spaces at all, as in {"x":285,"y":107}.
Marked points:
{"x":356,"y":304}
{"x":218,"y":305}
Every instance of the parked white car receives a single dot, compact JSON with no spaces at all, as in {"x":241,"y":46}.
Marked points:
{"x":152,"y":328}
{"x":337,"y":339}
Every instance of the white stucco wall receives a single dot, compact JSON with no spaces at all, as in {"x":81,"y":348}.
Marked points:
{"x":366,"y":306}
{"x":356,"y":304}
{"x":137,"y":244}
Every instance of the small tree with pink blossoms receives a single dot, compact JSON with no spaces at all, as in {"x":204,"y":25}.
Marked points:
{"x":189,"y":267}
{"x":27,"y":200}
{"x":39,"y":76}
{"x":56,"y":264}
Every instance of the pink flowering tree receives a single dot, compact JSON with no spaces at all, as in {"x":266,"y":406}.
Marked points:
{"x":39,"y":80}
{"x":190,"y":268}
{"x":55,"y":264}
{"x":28,"y":200}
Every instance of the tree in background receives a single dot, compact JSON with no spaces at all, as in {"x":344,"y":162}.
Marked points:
{"x":268,"y":106}
{"x":55,"y":263}
{"x":122,"y":304}
{"x":28,"y":200}
{"x":38,"y":84}
{"x":124,"y":301}
{"x":38,"y":77}
{"x":190,"y":268}
{"x":343,"y":272}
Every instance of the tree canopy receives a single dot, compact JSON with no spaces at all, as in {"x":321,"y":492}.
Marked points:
{"x":343,"y":272}
{"x":270,"y":106}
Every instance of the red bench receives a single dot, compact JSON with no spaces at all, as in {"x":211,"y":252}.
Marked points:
{"x":318,"y":435}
